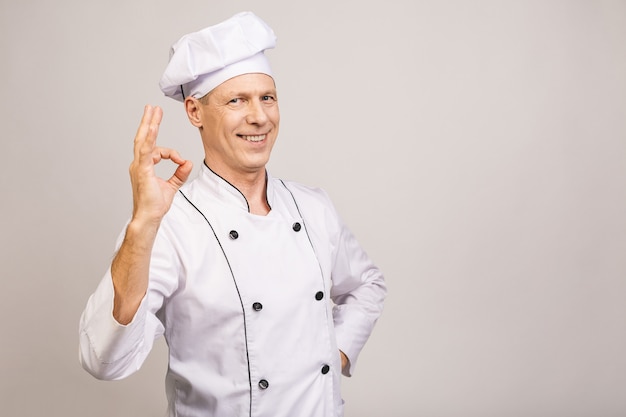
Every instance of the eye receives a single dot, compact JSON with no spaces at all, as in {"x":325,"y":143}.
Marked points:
{"x":267,"y":98}
{"x":234,"y":101}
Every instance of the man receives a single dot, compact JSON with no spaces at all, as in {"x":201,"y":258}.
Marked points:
{"x":236,"y":269}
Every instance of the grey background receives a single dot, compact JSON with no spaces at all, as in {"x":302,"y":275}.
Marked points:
{"x":476,"y":148}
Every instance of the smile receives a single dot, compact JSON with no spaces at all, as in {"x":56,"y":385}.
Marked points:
{"x":255,"y":138}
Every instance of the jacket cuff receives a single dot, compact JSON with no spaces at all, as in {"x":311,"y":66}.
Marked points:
{"x":109,"y":340}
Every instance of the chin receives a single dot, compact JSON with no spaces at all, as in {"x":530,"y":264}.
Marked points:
{"x":255,"y":164}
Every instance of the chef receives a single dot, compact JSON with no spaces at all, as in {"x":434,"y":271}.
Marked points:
{"x":263,"y":295}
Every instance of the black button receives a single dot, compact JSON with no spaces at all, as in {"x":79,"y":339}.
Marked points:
{"x":296,"y":226}
{"x":257,"y":306}
{"x":325,"y":369}
{"x":263,"y":384}
{"x":319,"y":295}
{"x":233,"y":234}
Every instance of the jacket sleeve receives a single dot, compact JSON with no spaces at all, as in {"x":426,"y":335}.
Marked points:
{"x":358,"y":292}
{"x":358,"y":287}
{"x":109,"y":350}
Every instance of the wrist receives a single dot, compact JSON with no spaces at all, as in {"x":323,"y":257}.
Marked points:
{"x":141,"y":229}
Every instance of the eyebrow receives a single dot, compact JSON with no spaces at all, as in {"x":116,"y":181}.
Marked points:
{"x":235,"y":93}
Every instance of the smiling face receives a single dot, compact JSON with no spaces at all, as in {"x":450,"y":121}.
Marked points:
{"x":238,"y":122}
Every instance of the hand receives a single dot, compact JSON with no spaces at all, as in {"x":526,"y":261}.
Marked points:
{"x":153,"y":196}
{"x":344,"y":360}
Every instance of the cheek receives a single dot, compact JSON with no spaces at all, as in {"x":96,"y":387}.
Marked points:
{"x":275,"y":115}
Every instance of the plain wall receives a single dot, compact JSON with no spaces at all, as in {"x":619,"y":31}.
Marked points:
{"x":477,"y":149}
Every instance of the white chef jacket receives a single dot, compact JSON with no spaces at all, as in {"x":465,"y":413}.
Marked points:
{"x":243,"y":303}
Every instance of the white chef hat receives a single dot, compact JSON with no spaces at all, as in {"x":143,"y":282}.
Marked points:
{"x":202,"y":60}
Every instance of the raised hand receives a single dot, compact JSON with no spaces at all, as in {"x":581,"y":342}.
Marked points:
{"x":152,"y":196}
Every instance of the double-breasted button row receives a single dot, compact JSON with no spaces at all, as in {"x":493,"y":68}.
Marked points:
{"x":233,"y":234}
{"x":264,"y":383}
{"x":256,"y":306}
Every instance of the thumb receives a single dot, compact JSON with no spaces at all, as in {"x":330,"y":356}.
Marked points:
{"x":181,"y":174}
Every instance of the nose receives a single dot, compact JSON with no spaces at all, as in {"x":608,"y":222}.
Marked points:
{"x":256,"y":113}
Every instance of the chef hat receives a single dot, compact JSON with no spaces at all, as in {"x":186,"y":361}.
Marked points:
{"x":202,"y":60}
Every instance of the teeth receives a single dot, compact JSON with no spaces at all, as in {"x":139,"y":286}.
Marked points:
{"x":257,"y":138}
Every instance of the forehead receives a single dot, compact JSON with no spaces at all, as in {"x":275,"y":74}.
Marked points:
{"x":247,"y":84}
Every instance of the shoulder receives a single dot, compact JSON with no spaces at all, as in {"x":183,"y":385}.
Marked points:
{"x":313,"y":203}
{"x":305,"y":194}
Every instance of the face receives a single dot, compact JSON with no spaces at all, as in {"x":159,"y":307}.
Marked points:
{"x":239,"y":124}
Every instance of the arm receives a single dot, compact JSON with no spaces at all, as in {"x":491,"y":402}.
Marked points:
{"x":152,"y":198}
{"x":358,"y":292}
{"x":358,"y":287}
{"x":116,"y":329}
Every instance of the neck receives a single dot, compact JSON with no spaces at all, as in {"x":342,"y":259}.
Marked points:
{"x":256,"y":194}
{"x":252,"y":185}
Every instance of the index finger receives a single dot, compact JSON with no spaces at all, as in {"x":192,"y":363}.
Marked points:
{"x":148,"y":129}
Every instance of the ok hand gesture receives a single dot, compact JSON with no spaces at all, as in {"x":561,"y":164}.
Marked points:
{"x":153,"y":196}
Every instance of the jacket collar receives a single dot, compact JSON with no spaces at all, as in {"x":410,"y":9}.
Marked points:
{"x":211,"y":183}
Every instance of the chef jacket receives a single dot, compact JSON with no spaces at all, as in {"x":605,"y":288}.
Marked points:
{"x":254,"y":309}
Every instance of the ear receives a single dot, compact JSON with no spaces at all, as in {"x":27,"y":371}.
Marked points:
{"x":193,"y":109}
